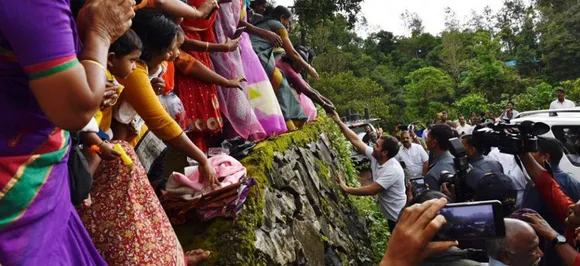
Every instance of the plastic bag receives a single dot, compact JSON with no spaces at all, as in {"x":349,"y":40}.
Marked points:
{"x":175,"y":109}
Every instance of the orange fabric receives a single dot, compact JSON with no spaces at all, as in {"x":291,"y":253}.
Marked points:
{"x":203,"y":26}
{"x":145,"y":4}
{"x":184,"y":62}
{"x":139,"y":93}
{"x":169,"y":77}
{"x":558,"y":201}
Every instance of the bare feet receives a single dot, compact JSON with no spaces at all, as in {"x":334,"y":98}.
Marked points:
{"x":196,"y":256}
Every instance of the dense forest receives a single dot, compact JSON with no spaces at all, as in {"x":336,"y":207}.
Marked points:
{"x":519,"y":52}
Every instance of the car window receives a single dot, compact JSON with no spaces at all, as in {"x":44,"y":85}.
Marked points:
{"x":358,"y":130}
{"x":569,"y":136}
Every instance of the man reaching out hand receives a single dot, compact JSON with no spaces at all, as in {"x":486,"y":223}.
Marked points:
{"x":388,"y":175}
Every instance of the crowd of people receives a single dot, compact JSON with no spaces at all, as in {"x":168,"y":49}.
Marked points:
{"x":141,"y":88}
{"x":535,"y":201}
{"x":127,"y":92}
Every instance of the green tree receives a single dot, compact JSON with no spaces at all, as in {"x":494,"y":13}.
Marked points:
{"x":486,"y":74}
{"x":474,"y":102}
{"x":560,"y":33}
{"x":427,"y":85}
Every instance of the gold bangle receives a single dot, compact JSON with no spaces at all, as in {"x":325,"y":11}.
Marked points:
{"x":206,"y":46}
{"x":95,"y":63}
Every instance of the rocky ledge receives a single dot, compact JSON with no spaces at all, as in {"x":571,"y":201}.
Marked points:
{"x":297,"y":215}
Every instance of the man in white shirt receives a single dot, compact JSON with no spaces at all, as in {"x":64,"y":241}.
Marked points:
{"x":512,"y":170}
{"x":413,"y":155}
{"x":561,"y":102}
{"x":463,"y":128}
{"x":388,"y":175}
{"x":509,"y":113}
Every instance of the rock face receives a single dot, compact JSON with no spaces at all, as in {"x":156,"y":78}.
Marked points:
{"x":306,"y":223}
{"x":297,"y":215}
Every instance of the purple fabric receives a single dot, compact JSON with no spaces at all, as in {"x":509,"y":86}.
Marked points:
{"x":235,"y":104}
{"x":49,"y":232}
{"x":260,"y":91}
{"x":233,"y":208}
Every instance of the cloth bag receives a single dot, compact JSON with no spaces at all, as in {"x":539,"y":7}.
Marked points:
{"x":80,"y":178}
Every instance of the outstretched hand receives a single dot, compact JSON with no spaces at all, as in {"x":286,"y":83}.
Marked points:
{"x":236,"y":83}
{"x":341,"y":181}
{"x":334,"y":115}
{"x":415,"y":230}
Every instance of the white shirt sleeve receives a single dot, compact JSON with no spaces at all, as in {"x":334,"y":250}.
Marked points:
{"x":369,"y":153}
{"x":553,"y":105}
{"x":571,"y":104}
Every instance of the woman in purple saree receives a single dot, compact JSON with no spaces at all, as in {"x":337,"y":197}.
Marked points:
{"x":258,"y":90}
{"x":235,"y":104}
{"x":45,"y":89}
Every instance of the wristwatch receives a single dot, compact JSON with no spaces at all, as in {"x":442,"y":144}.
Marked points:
{"x":560,"y":239}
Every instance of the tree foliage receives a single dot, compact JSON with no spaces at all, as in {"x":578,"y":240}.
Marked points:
{"x":519,"y":53}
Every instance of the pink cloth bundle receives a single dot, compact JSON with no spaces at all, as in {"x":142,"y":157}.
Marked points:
{"x":228,"y":170}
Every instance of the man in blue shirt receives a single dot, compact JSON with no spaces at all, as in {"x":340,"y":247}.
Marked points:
{"x":438,"y":144}
{"x":550,"y":151}
{"x":481,"y":164}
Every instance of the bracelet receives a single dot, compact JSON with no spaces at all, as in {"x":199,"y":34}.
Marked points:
{"x":206,"y":46}
{"x":95,"y":63}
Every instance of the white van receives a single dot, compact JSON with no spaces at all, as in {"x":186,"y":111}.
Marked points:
{"x":564,"y":126}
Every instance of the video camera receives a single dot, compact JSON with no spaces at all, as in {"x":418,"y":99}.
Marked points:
{"x":509,"y":138}
{"x":458,"y":179}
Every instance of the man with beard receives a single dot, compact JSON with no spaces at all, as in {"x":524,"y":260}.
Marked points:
{"x":519,"y":247}
{"x":413,"y":155}
{"x":388,"y":176}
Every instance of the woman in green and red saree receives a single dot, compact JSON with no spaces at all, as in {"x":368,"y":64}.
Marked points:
{"x":48,"y":85}
{"x":278,"y":21}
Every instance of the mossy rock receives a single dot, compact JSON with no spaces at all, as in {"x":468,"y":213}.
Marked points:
{"x":232,"y":241}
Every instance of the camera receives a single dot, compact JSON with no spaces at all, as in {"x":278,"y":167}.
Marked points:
{"x":509,"y":138}
{"x":458,"y":179}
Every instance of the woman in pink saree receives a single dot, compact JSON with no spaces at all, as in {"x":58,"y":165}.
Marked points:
{"x":235,"y":104}
{"x":259,"y":89}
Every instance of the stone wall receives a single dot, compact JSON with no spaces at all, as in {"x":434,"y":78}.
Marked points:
{"x":297,"y":215}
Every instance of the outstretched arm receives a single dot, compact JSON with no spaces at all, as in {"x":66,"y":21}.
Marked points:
{"x":369,"y":190}
{"x":177,"y":8}
{"x":350,"y":135}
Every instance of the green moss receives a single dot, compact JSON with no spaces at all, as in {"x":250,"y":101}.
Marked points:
{"x":323,"y":169}
{"x":232,"y":241}
{"x":232,"y":237}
